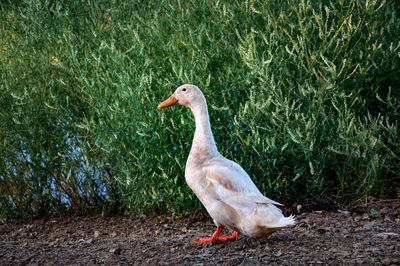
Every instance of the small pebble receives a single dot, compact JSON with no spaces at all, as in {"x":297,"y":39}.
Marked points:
{"x":116,"y":251}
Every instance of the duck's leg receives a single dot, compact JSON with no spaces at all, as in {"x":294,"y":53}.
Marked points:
{"x":225,"y":238}
{"x":216,"y":238}
{"x":212,"y":239}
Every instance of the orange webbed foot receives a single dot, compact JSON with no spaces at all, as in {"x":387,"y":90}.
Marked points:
{"x":226,"y":238}
{"x":205,"y":240}
{"x":217,"y":238}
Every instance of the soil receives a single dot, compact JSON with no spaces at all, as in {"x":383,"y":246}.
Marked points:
{"x":367,"y":236}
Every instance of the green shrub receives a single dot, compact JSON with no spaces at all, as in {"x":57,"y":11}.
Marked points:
{"x":304,"y":95}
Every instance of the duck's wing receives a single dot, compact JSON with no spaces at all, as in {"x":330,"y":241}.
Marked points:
{"x":231,"y":183}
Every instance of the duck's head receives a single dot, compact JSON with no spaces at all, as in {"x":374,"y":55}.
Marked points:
{"x":187,"y":95}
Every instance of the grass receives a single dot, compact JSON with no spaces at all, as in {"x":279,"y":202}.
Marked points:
{"x":304,"y":95}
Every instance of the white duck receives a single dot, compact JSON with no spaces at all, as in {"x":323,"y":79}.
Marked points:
{"x":225,"y":189}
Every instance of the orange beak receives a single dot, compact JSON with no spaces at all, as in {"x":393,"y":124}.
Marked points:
{"x":168,"y":102}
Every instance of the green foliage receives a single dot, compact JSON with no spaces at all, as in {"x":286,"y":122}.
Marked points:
{"x":304,"y":95}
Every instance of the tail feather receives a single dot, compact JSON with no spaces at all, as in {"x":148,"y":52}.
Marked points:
{"x":283,"y":222}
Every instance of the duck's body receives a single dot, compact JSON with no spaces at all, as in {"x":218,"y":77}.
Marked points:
{"x":224,"y":188}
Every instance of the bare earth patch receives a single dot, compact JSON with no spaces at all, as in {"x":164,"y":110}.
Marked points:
{"x":320,"y":237}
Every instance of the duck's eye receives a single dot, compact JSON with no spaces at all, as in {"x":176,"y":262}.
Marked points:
{"x":184,"y":89}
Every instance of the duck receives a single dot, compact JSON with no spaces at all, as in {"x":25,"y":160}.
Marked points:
{"x":224,"y":188}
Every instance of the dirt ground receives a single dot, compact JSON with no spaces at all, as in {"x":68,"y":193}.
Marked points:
{"x":370,"y":235}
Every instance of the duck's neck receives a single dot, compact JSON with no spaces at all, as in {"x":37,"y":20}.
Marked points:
{"x":203,"y":140}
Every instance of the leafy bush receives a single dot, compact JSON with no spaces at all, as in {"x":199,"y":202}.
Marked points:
{"x":304,"y":95}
